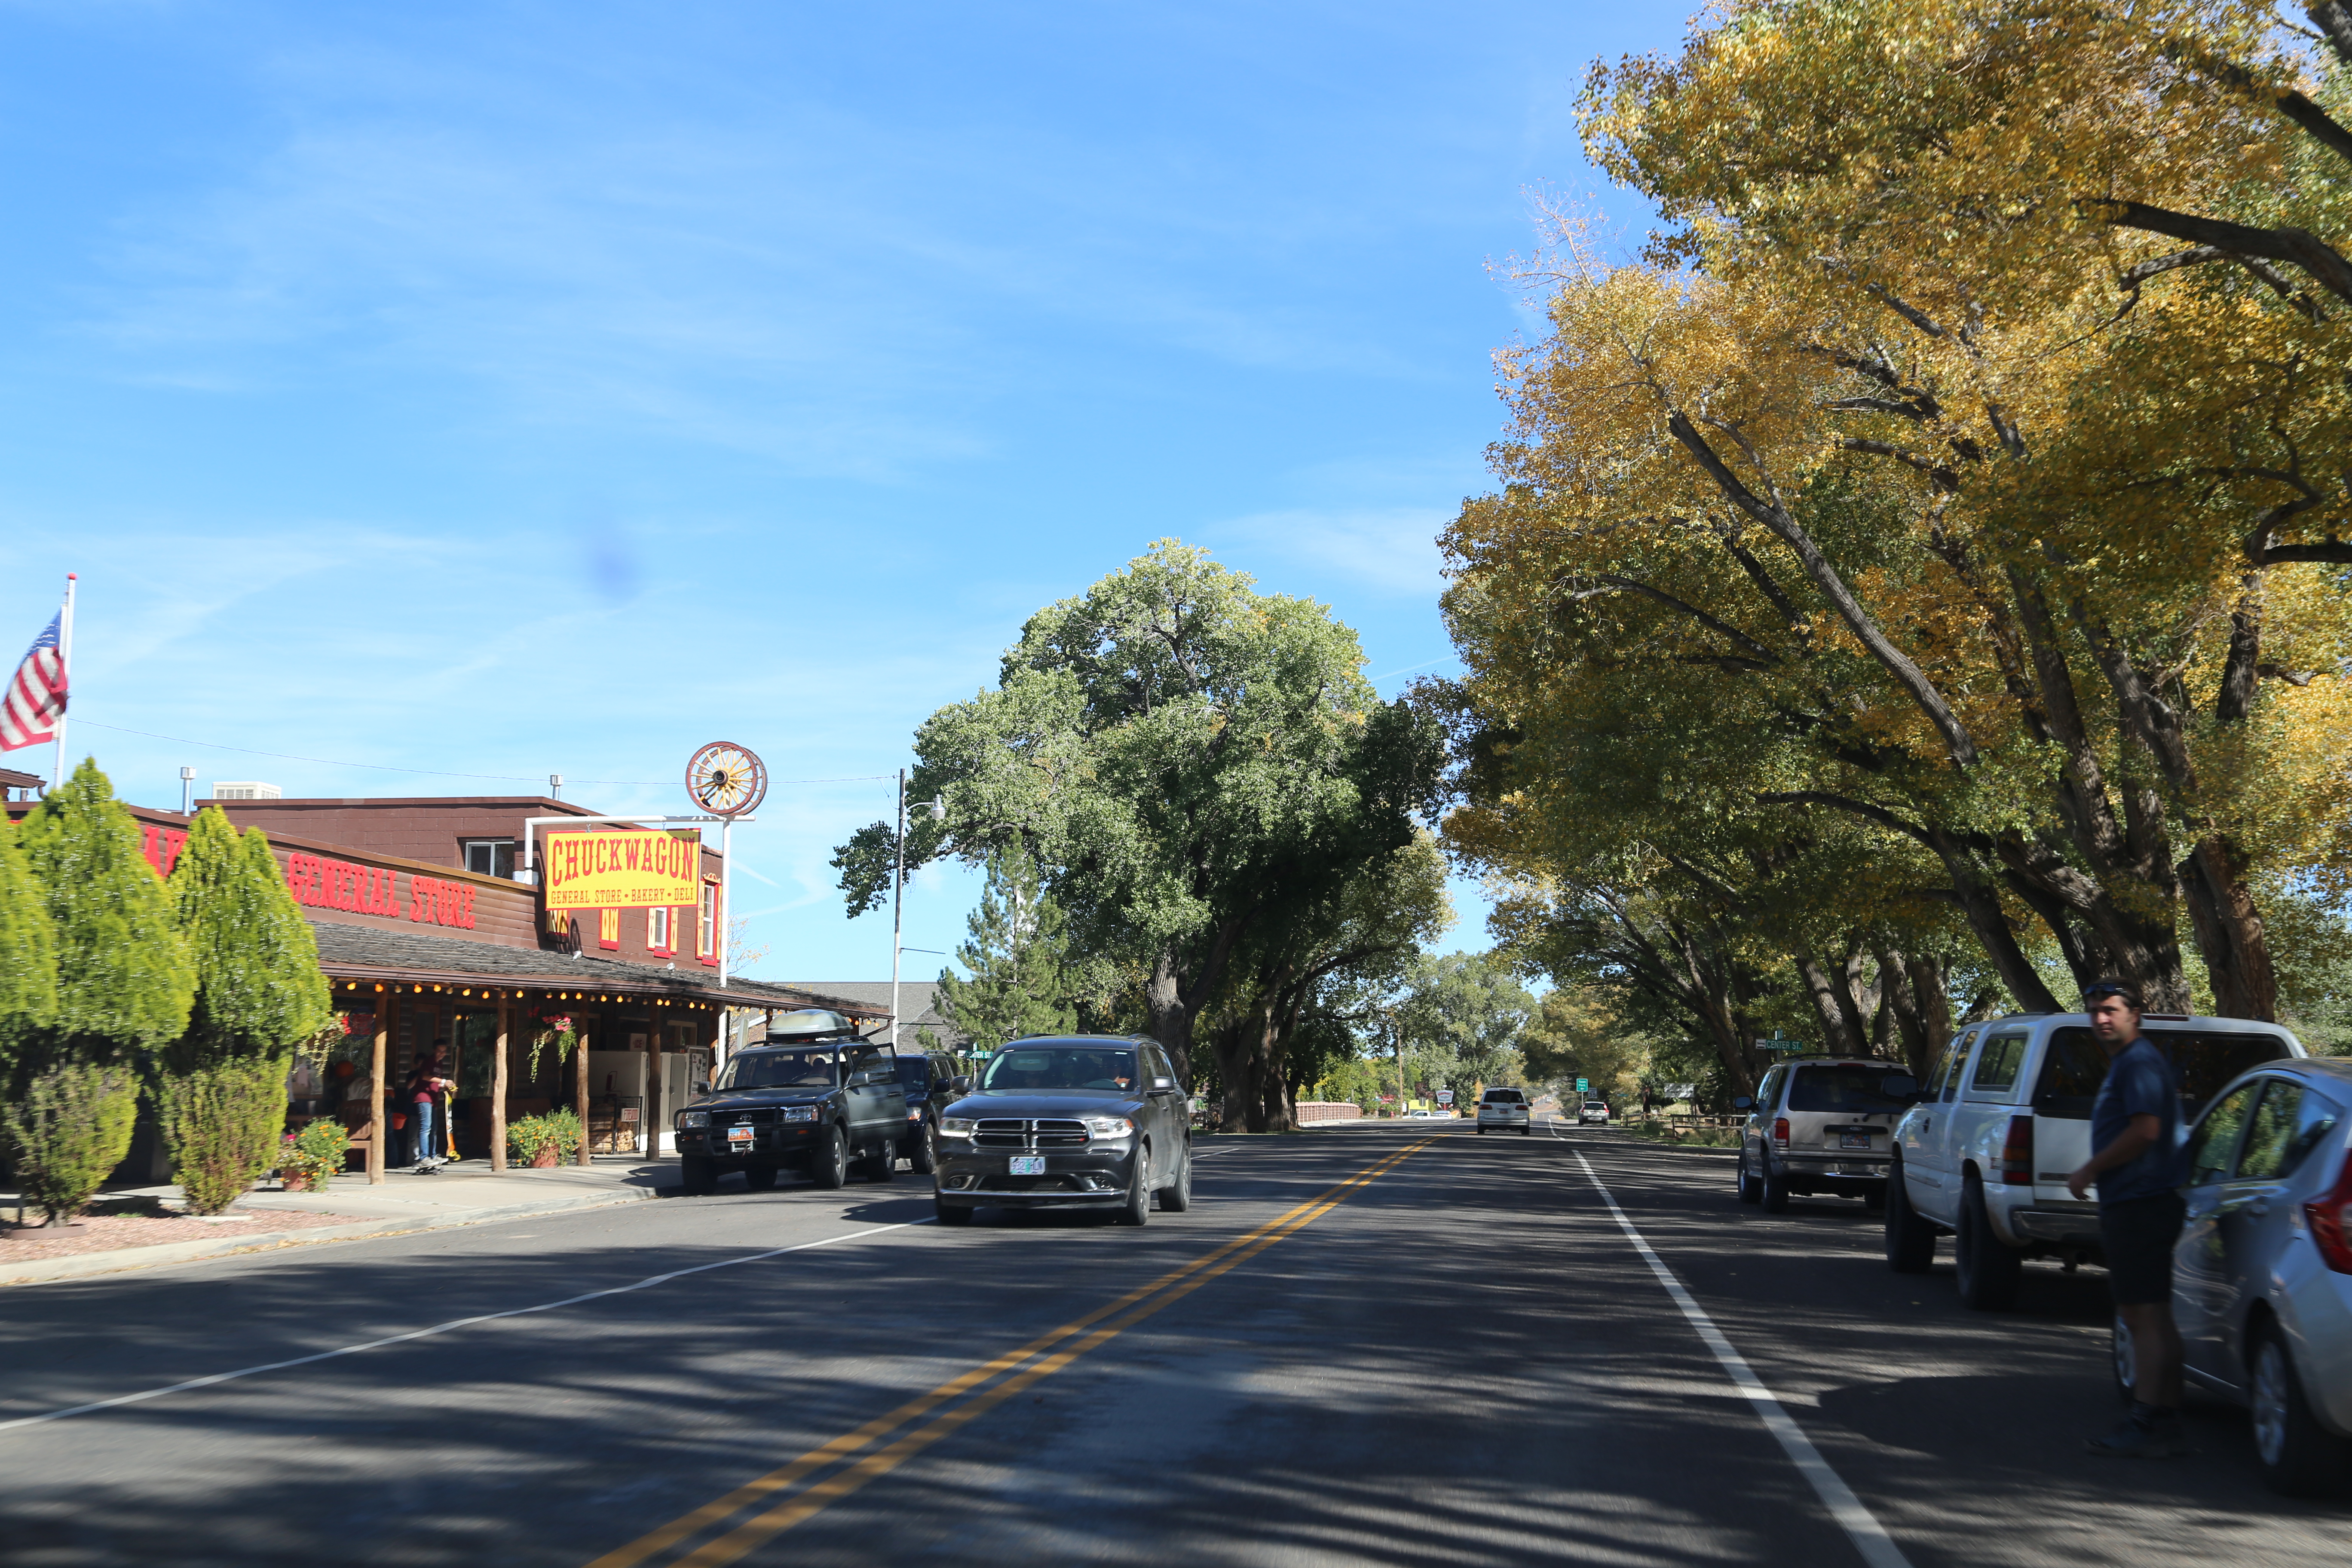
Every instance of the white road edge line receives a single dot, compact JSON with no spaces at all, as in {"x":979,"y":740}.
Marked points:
{"x":1861,"y":1526}
{"x":452,"y":1325}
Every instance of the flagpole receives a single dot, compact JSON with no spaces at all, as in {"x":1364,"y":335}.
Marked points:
{"x":65,"y":665}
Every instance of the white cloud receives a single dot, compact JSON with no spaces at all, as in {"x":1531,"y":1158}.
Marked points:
{"x":1392,"y":549}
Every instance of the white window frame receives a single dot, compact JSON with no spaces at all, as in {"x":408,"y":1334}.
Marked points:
{"x":660,"y":929}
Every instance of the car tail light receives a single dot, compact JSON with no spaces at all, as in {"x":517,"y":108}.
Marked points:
{"x":2017,"y":1154}
{"x":1780,"y":1131}
{"x":2331,"y":1222}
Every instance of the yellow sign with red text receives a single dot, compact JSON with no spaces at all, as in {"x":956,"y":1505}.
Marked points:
{"x":622,"y":870}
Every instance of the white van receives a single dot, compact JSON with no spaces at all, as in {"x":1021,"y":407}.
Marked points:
{"x":1986,"y":1152}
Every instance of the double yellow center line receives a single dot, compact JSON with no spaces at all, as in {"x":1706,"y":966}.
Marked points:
{"x":1029,"y":1365}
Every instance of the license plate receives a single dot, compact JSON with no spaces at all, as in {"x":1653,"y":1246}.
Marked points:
{"x":1027,"y":1165}
{"x":738,"y":1135}
{"x":1854,"y":1139}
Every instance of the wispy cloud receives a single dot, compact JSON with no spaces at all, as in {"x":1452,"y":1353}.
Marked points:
{"x":1392,"y":549}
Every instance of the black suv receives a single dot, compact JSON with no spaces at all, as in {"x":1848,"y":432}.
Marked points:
{"x":930,"y":1079}
{"x":818,"y":1106}
{"x":1089,"y":1120}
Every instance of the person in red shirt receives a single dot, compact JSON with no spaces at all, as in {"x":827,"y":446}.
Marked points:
{"x":424,"y":1085}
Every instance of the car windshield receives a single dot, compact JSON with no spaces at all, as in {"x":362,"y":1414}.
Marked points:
{"x":1849,"y":1086}
{"x":1033,"y":1067}
{"x":2077,"y":1064}
{"x":778,"y":1069}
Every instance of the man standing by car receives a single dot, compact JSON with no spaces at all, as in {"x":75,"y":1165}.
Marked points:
{"x":2136,"y":1160}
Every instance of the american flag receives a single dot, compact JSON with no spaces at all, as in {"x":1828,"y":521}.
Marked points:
{"x":36,"y":697}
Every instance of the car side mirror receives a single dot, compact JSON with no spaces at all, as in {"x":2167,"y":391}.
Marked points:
{"x":1158,"y":1084}
{"x":1743,"y":1103}
{"x":960,"y":1083}
{"x":1899,"y":1086}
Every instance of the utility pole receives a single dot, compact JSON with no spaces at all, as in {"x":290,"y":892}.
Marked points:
{"x":897,"y":903}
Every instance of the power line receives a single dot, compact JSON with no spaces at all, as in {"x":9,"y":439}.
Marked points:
{"x":434,"y":772}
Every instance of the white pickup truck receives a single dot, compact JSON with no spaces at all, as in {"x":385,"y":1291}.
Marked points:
{"x":1986,"y":1152}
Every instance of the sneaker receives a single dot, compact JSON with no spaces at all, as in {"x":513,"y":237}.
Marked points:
{"x":2143,"y":1434}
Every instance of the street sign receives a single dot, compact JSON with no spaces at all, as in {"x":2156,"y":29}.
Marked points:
{"x":1583,"y":1086}
{"x":1444,"y":1097}
{"x":1775,"y":1042}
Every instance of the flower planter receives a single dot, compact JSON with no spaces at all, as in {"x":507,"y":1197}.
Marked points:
{"x":544,"y":1159}
{"x":292,"y":1183}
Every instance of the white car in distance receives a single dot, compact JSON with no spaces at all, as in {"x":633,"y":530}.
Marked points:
{"x":1504,"y":1109}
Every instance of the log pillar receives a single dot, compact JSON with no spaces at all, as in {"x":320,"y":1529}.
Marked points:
{"x":655,"y":1028}
{"x":379,"y":1060}
{"x":498,"y":1088}
{"x":580,"y":1095}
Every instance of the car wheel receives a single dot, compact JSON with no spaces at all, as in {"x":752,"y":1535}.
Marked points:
{"x":1136,"y":1210}
{"x":1177,"y":1196}
{"x":1774,"y":1198}
{"x":882,"y":1165}
{"x":2299,"y":1458}
{"x":697,"y":1177}
{"x":1910,"y":1240}
{"x":1482,"y":1131}
{"x":1525,"y":1131}
{"x":759,"y":1178}
{"x":1988,"y":1272}
{"x":950,"y":1214}
{"x":1750,"y":1189}
{"x":924,"y":1157}
{"x":829,"y":1161}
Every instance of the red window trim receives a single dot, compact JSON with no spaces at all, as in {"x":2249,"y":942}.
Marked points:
{"x":608,"y":920}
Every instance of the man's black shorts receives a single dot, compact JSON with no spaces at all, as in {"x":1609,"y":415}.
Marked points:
{"x":2137,"y":1234}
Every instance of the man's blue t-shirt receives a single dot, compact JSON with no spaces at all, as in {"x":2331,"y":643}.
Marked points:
{"x":2139,"y":1082}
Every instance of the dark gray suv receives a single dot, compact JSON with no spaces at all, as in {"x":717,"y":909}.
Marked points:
{"x":819,"y":1107}
{"x":1091,"y":1120}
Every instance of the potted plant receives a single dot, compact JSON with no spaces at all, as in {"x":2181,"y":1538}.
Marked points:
{"x":541,"y":1140}
{"x":306,"y":1159}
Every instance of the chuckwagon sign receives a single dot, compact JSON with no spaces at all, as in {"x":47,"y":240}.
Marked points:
{"x":623,"y":870}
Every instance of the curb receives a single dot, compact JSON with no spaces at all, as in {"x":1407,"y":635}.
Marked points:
{"x":44,"y":1270}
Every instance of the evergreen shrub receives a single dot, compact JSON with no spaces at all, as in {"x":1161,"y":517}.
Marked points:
{"x":71,"y":1128}
{"x":222,"y":1122}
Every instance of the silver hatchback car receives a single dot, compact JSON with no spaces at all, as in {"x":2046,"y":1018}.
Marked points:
{"x":2261,"y":1278}
{"x":1504,"y":1109}
{"x":1821,"y":1125}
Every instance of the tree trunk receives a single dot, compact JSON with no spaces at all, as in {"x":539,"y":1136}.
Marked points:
{"x":1236,"y":1078}
{"x":1837,"y":1032}
{"x":2230,"y":935}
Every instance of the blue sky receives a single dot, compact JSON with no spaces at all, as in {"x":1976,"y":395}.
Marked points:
{"x":517,"y":389}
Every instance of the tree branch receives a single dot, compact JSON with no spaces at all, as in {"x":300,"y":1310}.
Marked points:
{"x":2296,"y":247}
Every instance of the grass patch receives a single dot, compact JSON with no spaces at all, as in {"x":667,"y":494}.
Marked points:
{"x":1687,"y":1137}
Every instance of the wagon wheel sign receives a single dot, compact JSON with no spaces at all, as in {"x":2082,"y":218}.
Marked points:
{"x":727,"y":780}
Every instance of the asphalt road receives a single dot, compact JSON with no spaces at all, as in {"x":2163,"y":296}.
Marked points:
{"x":1378,"y":1344}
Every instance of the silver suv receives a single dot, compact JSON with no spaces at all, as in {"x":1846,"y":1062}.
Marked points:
{"x":1821,"y":1125}
{"x":1504,"y":1109}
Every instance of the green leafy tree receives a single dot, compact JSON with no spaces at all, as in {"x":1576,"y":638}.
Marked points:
{"x":1460,"y":1024}
{"x":28,"y":957}
{"x":1017,"y":953}
{"x":1186,"y":758}
{"x":124,"y":987}
{"x":258,"y":995}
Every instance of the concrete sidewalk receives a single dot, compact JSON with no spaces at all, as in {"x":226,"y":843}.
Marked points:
{"x":465,"y":1193}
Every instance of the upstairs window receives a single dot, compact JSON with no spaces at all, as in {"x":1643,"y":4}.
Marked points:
{"x":489,"y":857}
{"x":705,"y":929}
{"x":657,"y":930}
{"x":608,"y":928}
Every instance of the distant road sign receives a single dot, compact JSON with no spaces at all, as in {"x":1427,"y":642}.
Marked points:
{"x":1444,"y":1097}
{"x":1776,"y":1044}
{"x":1583,"y":1086}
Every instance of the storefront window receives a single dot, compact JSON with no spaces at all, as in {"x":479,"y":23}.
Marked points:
{"x":474,"y":1037}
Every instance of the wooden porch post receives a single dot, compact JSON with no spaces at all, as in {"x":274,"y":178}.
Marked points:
{"x":377,"y":1128}
{"x":498,"y":1088}
{"x":655,"y":1028}
{"x":579,"y":1092}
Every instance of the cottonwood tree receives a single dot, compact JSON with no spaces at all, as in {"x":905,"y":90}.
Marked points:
{"x":1185,"y":758}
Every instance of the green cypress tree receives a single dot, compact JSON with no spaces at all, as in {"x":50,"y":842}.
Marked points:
{"x":258,"y":995}
{"x":29,"y":960}
{"x":123,"y":988}
{"x":1018,"y":955}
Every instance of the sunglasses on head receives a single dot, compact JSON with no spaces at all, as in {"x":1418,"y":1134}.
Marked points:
{"x":2094,"y":993}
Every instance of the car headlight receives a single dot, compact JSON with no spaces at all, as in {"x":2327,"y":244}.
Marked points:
{"x":797,"y":1113}
{"x":1109,"y":1126}
{"x":955,"y":1126}
{"x":694,"y":1118}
